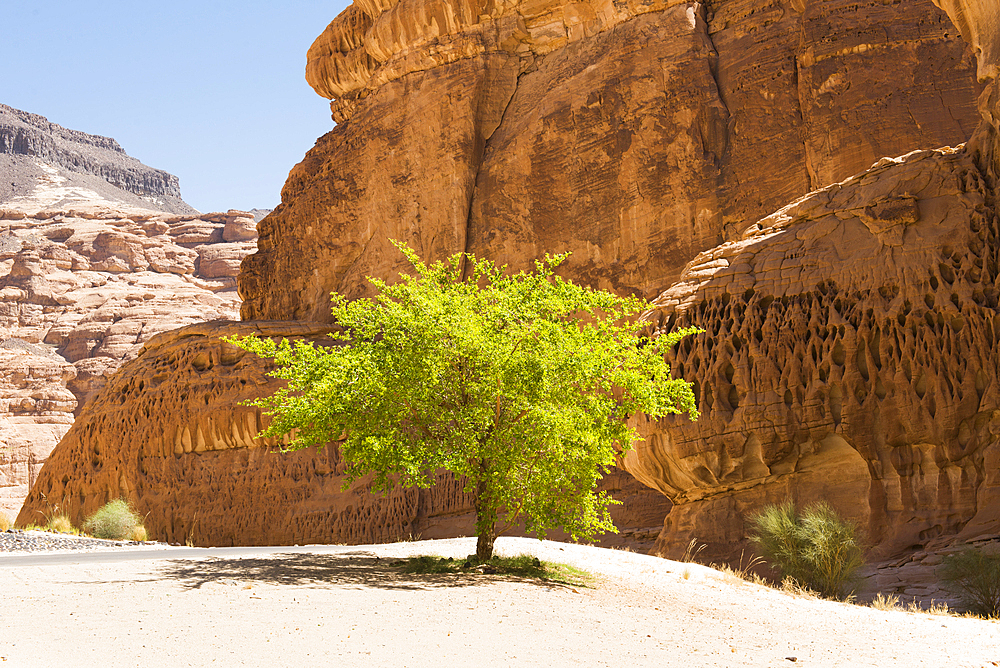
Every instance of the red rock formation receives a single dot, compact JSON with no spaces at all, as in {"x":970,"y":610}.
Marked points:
{"x":634,"y":135}
{"x":851,"y":352}
{"x":850,"y":355}
{"x":81,"y":290}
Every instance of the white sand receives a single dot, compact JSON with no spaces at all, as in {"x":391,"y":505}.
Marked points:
{"x":347,"y":609}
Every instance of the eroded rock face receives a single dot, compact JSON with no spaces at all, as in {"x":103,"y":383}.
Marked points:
{"x":850,"y":353}
{"x":169,"y":433}
{"x":634,"y":135}
{"x":80,"y":292}
{"x":850,"y":356}
{"x":36,"y":409}
{"x":979,"y":22}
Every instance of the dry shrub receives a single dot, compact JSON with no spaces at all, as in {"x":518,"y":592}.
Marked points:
{"x":886,"y":602}
{"x":816,"y":547}
{"x":60,"y":524}
{"x":115,"y":520}
{"x":4,"y":522}
{"x":975,"y":575}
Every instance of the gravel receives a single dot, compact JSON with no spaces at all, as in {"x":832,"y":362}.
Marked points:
{"x":16,"y":540}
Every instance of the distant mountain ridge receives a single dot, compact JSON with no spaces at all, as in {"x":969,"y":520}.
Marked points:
{"x":27,"y":139}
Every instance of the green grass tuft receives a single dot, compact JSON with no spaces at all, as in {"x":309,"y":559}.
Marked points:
{"x":60,"y":524}
{"x":816,"y":547}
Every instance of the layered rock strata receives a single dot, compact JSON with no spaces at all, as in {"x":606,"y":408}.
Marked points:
{"x":34,"y":149}
{"x":80,"y":292}
{"x":633,"y":134}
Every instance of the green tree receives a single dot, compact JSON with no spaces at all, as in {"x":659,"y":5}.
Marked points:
{"x":520,"y":385}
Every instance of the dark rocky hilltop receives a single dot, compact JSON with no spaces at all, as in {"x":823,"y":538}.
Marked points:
{"x":40,"y":158}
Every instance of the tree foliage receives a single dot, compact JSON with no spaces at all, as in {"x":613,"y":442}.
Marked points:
{"x":520,"y":385}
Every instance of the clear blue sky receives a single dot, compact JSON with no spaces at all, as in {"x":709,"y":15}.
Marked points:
{"x":212,"y":91}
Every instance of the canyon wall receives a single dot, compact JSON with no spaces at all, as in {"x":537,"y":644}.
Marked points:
{"x":849,"y":346}
{"x":634,"y":134}
{"x":850,"y":356}
{"x":850,"y":353}
{"x":81,"y":291}
{"x":98,"y":253}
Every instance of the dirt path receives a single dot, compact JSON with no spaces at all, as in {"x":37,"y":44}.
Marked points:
{"x":353,"y":609}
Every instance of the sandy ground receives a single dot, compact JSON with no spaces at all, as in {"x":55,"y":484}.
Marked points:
{"x":340,"y":606}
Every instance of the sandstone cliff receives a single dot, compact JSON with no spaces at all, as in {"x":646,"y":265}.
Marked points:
{"x":633,"y":134}
{"x":80,"y":292}
{"x":35,"y":152}
{"x":826,"y":370}
{"x":851,"y":352}
{"x":850,"y":355}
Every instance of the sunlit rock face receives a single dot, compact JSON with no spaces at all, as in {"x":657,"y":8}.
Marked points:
{"x":81,"y":290}
{"x":850,"y":356}
{"x":634,"y":135}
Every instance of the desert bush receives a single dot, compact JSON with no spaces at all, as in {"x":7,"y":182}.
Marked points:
{"x":975,"y":575}
{"x":115,"y":520}
{"x":59,"y":523}
{"x":4,"y":522}
{"x":816,"y":547}
{"x":886,"y":602}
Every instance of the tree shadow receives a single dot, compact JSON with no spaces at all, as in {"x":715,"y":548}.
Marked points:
{"x":348,"y":569}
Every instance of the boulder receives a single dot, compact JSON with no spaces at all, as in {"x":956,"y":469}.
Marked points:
{"x":240,"y":228}
{"x":217,"y":261}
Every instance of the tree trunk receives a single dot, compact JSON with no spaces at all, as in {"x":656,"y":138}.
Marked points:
{"x":484,"y":546}
{"x":486,"y":517}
